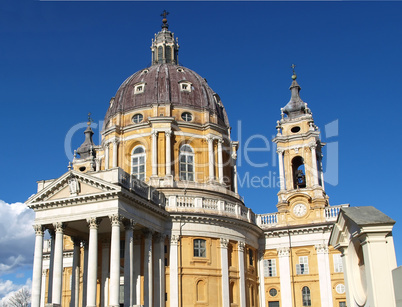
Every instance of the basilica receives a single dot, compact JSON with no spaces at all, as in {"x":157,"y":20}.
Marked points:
{"x":152,"y":215}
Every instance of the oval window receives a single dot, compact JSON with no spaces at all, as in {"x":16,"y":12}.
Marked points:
{"x":295,"y":129}
{"x":186,"y":116}
{"x":137,"y":118}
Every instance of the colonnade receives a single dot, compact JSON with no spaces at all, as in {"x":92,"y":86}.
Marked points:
{"x":154,"y":267}
{"x":212,"y":177}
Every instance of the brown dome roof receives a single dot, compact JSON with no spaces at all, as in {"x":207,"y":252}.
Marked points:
{"x":162,"y":84}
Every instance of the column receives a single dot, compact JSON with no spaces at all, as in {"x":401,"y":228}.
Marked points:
{"x":154,"y":153}
{"x":58,"y":264}
{"x":234,"y":158}
{"x":42,"y":293}
{"x":220,"y":161}
{"x":314,"y":164}
{"x":168,"y":159}
{"x":106,"y":149}
{"x":128,"y":264}
{"x":115,"y":147}
{"x":137,"y":270}
{"x":37,"y":266}
{"x":85,"y":274}
{"x":159,"y":270}
{"x":284,"y":269}
{"x":225,"y":272}
{"x":93,"y":224}
{"x":242,"y":278}
{"x":104,"y":299}
{"x":75,"y":278}
{"x":261,"y":277}
{"x":115,"y":261}
{"x":211,"y":163}
{"x":324,"y":274}
{"x":174,"y":276}
{"x":281,"y":172}
{"x":51,"y":265}
{"x":148,"y":282}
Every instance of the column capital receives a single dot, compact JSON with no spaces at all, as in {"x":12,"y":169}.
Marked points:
{"x":224,"y":243}
{"x":115,"y":219}
{"x":261,"y":253}
{"x":154,"y":133}
{"x":148,"y":234}
{"x":93,"y":222}
{"x":129,"y":224}
{"x":59,"y":226}
{"x":174,"y":239}
{"x":321,"y":248}
{"x":283,"y":251}
{"x":241,"y":245}
{"x":168,"y":133}
{"x":313,"y":146}
{"x":280,"y":150}
{"x":159,"y":237}
{"x":116,"y":141}
{"x":221,"y":141}
{"x":209,"y":138}
{"x":39,"y":230}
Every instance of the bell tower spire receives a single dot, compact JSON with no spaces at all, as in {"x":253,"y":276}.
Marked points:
{"x":299,"y":154}
{"x":164,"y":47}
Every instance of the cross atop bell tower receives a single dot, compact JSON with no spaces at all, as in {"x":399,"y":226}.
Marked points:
{"x":299,"y":154}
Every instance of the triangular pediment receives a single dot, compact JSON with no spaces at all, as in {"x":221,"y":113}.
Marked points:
{"x":72,"y":185}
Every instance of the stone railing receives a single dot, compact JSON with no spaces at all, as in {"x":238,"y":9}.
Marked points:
{"x":209,"y":206}
{"x":267,"y":220}
{"x":331,"y":213}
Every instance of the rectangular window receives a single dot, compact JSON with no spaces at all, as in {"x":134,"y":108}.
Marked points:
{"x":270,"y":268}
{"x":273,"y":304}
{"x":250,"y":257}
{"x":342,"y":304}
{"x":302,"y":266}
{"x":200,"y":248}
{"x":338,"y":265}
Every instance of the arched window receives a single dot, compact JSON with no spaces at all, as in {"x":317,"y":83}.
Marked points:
{"x":200,"y":248}
{"x":168,"y":54}
{"x":299,"y":177}
{"x":306,"y":296}
{"x":160,"y":54}
{"x":186,"y":163}
{"x":138,"y":163}
{"x":201,"y":287}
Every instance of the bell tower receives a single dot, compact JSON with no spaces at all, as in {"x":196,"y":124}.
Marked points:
{"x":302,"y":195}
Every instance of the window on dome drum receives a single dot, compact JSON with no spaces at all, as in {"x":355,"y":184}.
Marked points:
{"x":138,"y":163}
{"x":186,"y":164}
{"x":200,"y":249}
{"x":306,"y":296}
{"x":186,"y":116}
{"x":270,"y":268}
{"x":137,"y":118}
{"x":160,"y":54}
{"x":338,"y":265}
{"x":302,"y":266}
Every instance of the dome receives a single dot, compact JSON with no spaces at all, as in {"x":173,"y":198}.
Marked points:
{"x":166,"y":83}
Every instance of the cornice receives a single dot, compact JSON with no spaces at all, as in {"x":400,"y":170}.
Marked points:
{"x":298,"y":230}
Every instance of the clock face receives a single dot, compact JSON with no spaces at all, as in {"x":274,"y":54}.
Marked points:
{"x":300,"y":209}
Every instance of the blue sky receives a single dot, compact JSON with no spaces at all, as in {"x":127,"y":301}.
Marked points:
{"x":61,"y":60}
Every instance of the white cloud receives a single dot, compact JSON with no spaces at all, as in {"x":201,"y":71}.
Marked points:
{"x":17,"y":238}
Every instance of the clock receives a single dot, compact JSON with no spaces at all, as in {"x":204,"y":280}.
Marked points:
{"x":299,"y":210}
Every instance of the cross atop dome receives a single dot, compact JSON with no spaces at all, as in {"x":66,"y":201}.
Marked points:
{"x":165,"y":25}
{"x":164,"y":46}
